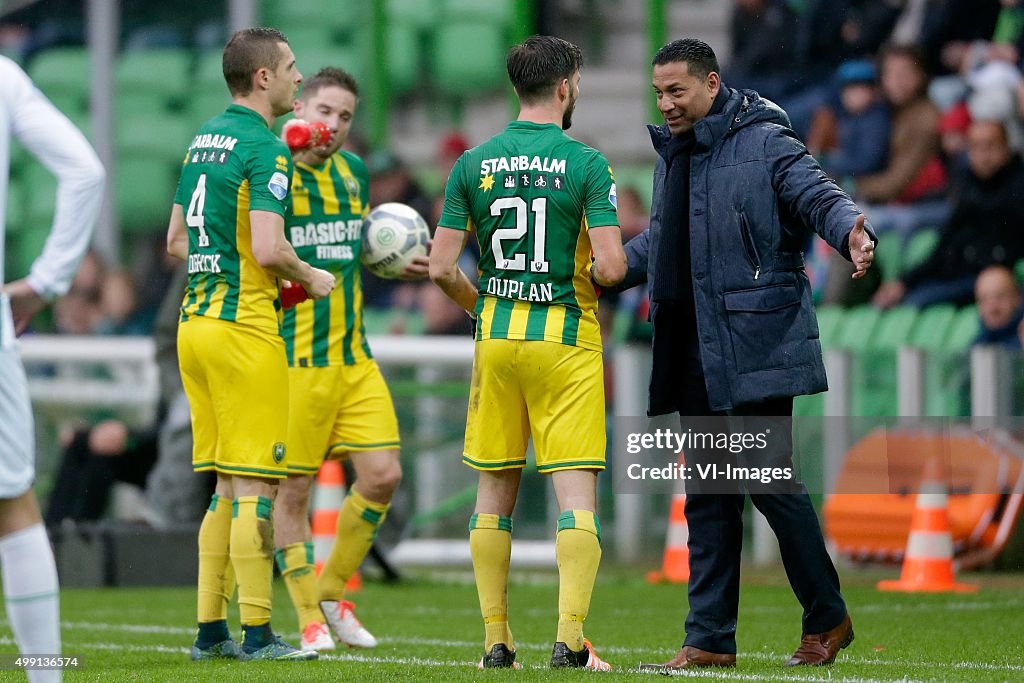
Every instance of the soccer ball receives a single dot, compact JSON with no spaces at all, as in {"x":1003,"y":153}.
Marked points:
{"x":393,"y":235}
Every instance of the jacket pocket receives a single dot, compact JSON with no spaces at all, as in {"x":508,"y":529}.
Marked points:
{"x":767,"y":327}
{"x":748,"y":246}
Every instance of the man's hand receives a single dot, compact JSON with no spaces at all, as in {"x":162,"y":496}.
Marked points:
{"x":862,"y":248}
{"x":25,"y":303}
{"x":109,"y":437}
{"x":419,"y":268}
{"x":320,"y":284}
{"x":889,"y":294}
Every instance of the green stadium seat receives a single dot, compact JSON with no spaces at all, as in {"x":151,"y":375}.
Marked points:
{"x":895,"y":328}
{"x":313,"y":37}
{"x":64,"y":75}
{"x":829,"y":320}
{"x":209,"y":72}
{"x":933,"y":326}
{"x":469,"y":57}
{"x":145,"y":192}
{"x":920,"y":247}
{"x":287,"y":14}
{"x":964,"y":330}
{"x":39,"y":192}
{"x":136,"y":136}
{"x":497,"y":11}
{"x":889,"y":256}
{"x":1018,"y":270}
{"x":310,"y":60}
{"x":404,"y":57}
{"x":414,"y":13}
{"x":858,"y":328}
{"x":15,"y":212}
{"x":158,"y":79}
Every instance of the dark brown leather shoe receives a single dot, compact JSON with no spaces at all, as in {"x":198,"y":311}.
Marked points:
{"x":820,"y":649}
{"x":690,"y":657}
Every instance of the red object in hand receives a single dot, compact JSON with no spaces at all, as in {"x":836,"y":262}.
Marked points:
{"x":300,"y":134}
{"x":292,"y":293}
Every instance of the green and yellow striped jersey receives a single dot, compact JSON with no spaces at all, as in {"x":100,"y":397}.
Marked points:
{"x":532,"y":193}
{"x":325,"y":227}
{"x":234,"y":165}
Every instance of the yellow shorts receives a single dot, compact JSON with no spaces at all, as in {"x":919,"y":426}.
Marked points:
{"x":337,"y":410}
{"x":553,"y":391}
{"x":236,"y":380}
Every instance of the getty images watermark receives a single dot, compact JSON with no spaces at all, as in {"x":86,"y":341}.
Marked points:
{"x":870,"y":455}
{"x":711,"y":455}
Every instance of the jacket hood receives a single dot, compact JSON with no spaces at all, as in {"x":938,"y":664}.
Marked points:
{"x":743,"y":108}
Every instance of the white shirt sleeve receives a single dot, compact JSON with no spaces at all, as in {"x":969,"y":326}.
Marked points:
{"x":65,"y":152}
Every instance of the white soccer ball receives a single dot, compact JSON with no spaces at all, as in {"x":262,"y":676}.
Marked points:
{"x":393,"y":235}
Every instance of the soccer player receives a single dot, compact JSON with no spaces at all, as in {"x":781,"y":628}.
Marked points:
{"x":29,"y":572}
{"x":339,"y":403}
{"x":228,"y":221}
{"x":541,"y":203}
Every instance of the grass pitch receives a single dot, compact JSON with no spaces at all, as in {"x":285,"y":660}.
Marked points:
{"x":430,"y":629}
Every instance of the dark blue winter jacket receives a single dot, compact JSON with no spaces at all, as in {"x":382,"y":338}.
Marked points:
{"x":755,"y":195}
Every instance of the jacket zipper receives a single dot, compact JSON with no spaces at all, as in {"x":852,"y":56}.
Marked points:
{"x":748,"y":244}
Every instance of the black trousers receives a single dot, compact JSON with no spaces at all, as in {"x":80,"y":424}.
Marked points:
{"x":715,"y":518}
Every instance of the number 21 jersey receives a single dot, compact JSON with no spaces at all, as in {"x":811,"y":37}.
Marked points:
{"x":531,"y":193}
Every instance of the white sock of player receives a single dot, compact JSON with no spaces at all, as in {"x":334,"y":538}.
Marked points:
{"x":30,"y":594}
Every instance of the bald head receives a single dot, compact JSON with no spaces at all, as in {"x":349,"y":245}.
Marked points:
{"x":998,"y":296}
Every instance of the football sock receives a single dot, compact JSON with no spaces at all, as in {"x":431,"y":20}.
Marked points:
{"x":252,"y":550}
{"x":295,"y":562}
{"x":256,"y":636}
{"x":578,"y":553}
{"x":490,"y":544}
{"x":215,"y":587}
{"x":30,"y":595}
{"x":358,"y":521}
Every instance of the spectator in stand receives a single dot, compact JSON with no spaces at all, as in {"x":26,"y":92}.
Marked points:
{"x":909,"y":192}
{"x":79,"y":311}
{"x":851,"y":137}
{"x":119,"y":306}
{"x":997,"y":294}
{"x":828,"y":33}
{"x":983,"y":230}
{"x":953,"y":137}
{"x":760,"y":60}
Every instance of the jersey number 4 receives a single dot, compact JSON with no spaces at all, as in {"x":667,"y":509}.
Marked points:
{"x":194,"y":215}
{"x":539,"y":206}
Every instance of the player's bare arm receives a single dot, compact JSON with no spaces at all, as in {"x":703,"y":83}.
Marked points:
{"x":273,"y":251}
{"x":177,"y":234}
{"x":444,"y":267}
{"x":609,"y":267}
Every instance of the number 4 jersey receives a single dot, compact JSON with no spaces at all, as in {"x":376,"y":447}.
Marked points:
{"x":234,"y":165}
{"x":531,"y":194}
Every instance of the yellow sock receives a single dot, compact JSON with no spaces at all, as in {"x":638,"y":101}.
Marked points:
{"x":252,"y":550}
{"x":358,"y":521}
{"x":295,"y":561}
{"x":215,"y":588}
{"x":490,"y":544}
{"x":578,"y":552}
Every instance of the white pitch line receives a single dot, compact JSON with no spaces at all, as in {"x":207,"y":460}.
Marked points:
{"x":540,"y":647}
{"x":437,"y":663}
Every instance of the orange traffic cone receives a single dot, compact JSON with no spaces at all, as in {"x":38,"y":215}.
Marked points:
{"x":327,"y":500}
{"x":928,"y":562}
{"x":675,"y":565}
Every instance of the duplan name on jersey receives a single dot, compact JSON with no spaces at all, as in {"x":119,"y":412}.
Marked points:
{"x":522,"y":291}
{"x":211,"y":141}
{"x":522,"y":163}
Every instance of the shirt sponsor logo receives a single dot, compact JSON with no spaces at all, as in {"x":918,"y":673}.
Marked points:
{"x":278,"y":185}
{"x":521,"y":163}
